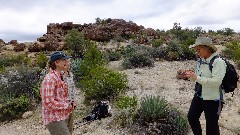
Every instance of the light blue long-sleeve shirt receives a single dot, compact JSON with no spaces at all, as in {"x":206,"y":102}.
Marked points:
{"x":211,"y":81}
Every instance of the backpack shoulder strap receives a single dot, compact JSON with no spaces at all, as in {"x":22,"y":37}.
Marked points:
{"x":211,"y":62}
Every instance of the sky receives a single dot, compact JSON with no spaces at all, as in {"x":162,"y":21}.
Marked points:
{"x":27,"y":20}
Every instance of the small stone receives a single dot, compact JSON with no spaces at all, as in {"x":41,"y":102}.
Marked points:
{"x":27,"y":114}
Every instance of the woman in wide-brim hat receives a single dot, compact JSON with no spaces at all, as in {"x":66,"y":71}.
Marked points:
{"x":207,"y":97}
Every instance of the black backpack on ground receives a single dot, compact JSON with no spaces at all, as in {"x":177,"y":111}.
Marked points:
{"x":100,"y":110}
{"x":229,"y":83}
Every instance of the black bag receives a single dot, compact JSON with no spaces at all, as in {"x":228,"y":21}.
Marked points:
{"x":101,"y":110}
{"x":229,"y":83}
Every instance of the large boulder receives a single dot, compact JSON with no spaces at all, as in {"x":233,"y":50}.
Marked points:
{"x":35,"y":47}
{"x":19,"y":47}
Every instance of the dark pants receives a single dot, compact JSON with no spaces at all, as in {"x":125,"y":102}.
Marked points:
{"x":210,"y":108}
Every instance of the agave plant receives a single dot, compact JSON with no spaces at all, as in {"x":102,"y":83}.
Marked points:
{"x":153,"y":108}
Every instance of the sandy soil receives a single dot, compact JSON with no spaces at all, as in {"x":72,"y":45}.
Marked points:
{"x":158,"y":80}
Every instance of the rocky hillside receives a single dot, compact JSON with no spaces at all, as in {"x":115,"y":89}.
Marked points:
{"x":100,"y":31}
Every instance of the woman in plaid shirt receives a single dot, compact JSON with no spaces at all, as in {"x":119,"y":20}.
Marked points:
{"x":57,"y":107}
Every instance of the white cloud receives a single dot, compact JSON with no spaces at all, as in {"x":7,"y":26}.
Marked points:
{"x":28,"y":20}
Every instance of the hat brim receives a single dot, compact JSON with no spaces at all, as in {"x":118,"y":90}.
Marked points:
{"x":67,"y":57}
{"x":210,"y":45}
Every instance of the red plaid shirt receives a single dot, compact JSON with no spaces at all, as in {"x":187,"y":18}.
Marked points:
{"x":55,"y":102}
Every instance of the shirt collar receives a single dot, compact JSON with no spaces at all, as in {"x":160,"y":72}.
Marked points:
{"x":209,"y":58}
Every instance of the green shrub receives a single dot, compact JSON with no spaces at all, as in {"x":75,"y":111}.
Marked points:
{"x":159,"y":52}
{"x":232,"y":51}
{"x":76,"y":70}
{"x":76,"y":43}
{"x":159,"y":117}
{"x":92,"y":59}
{"x":153,"y":108}
{"x":14,"y":108}
{"x":127,"y":107}
{"x":139,"y":59}
{"x":118,"y":38}
{"x":181,"y":123}
{"x":176,"y":123}
{"x":102,"y":83}
{"x":174,"y":50}
{"x":125,"y":102}
{"x":137,"y":56}
{"x":188,"y":54}
{"x":112,"y":56}
{"x":14,"y":60}
{"x":157,"y":42}
{"x":41,"y":60}
{"x":19,"y":81}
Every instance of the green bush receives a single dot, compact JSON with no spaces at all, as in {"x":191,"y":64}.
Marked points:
{"x":137,"y":56}
{"x":159,"y":52}
{"x":92,"y":59}
{"x":13,"y":60}
{"x":125,"y":102}
{"x":232,"y":51}
{"x":41,"y":60}
{"x":19,"y":81}
{"x":112,"y":56}
{"x":177,"y":51}
{"x":157,"y":42}
{"x":159,"y":117}
{"x":181,"y":123}
{"x":76,"y":43}
{"x":76,"y":70}
{"x":14,"y":108}
{"x":153,"y":108}
{"x":174,"y":50}
{"x":102,"y":83}
{"x":127,"y":107}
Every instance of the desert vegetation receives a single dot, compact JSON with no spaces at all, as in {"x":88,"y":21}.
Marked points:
{"x":21,"y":75}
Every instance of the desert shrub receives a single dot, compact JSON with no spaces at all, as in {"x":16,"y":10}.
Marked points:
{"x":125,"y":102}
{"x":153,"y":108}
{"x":159,"y":52}
{"x":175,"y":123}
{"x":181,"y":124}
{"x":19,"y":81}
{"x":137,"y":56}
{"x":112,"y":56}
{"x":41,"y":60}
{"x":126,"y":106}
{"x":157,"y":42}
{"x":188,"y":54}
{"x":8,"y":61}
{"x":14,"y":108}
{"x":159,"y":117}
{"x":226,"y":31}
{"x":76,"y":43}
{"x":174,"y":50}
{"x":76,"y":70}
{"x":177,"y":51}
{"x":102,"y":83}
{"x":232,"y":51}
{"x":92,"y":59}
{"x":118,"y":38}
{"x":18,"y":90}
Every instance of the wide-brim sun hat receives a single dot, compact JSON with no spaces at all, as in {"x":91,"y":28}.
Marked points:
{"x":204,"y":41}
{"x":58,"y":55}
